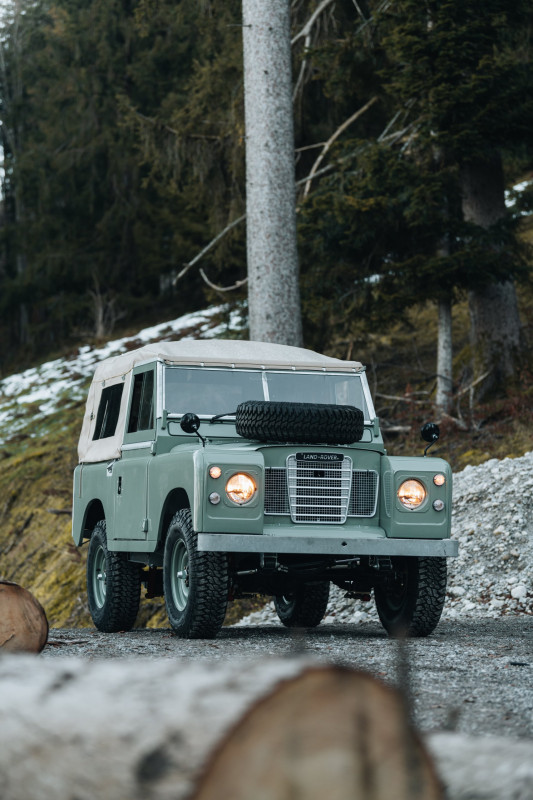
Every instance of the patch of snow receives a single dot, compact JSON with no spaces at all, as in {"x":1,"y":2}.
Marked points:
{"x":64,"y":380}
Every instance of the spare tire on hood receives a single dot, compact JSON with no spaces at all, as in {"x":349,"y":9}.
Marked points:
{"x":305,"y":423}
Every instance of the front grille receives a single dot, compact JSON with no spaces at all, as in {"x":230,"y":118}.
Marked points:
{"x":276,"y":497}
{"x":364,"y":496}
{"x":327,"y":492}
{"x":319,"y":491}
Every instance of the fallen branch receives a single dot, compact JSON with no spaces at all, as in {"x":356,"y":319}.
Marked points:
{"x":333,"y":138}
{"x":306,"y":30}
{"x":208,"y":247}
{"x":470,"y":386}
{"x":236,"y":285}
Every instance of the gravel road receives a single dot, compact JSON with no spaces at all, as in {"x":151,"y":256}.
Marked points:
{"x":472,"y":675}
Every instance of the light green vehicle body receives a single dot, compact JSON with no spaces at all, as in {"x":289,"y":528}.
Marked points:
{"x":159,"y":470}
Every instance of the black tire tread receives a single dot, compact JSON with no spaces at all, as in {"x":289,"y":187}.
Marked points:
{"x":305,"y":423}
{"x":123,"y":588}
{"x":310,"y":603}
{"x":424,"y":602}
{"x":204,"y":617}
{"x":432,"y":577}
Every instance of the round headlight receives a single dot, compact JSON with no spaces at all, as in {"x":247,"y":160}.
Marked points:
{"x":412,"y":493}
{"x":240,"y":488}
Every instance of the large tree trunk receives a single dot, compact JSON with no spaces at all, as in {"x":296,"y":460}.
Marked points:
{"x":273,"y":287}
{"x":444,"y":357}
{"x":495,"y":323}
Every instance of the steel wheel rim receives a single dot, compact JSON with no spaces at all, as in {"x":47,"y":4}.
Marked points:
{"x":100,"y":577}
{"x":179,"y":575}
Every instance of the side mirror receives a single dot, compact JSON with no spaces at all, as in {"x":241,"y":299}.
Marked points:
{"x":190,"y":423}
{"x":430,"y":432}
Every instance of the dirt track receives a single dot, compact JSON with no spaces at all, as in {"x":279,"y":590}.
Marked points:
{"x":474,"y":676}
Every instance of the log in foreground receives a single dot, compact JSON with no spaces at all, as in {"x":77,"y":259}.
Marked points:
{"x":23,"y":623}
{"x":331,"y":732}
{"x":158,"y":730}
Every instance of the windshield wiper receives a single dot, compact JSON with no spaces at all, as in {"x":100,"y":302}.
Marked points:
{"x":219,"y":416}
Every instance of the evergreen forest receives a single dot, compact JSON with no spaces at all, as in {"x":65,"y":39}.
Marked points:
{"x":122,"y":128}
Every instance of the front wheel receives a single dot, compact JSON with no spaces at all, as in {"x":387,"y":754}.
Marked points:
{"x":410,"y":601}
{"x":305,"y":607}
{"x":195,"y":583}
{"x":113,"y":585}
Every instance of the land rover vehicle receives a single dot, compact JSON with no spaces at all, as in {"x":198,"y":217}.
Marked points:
{"x":212,"y":470}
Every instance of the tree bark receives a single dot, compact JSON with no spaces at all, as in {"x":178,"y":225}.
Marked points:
{"x":444,"y":357}
{"x":495,"y":322}
{"x":163,"y":729}
{"x":273,"y":280}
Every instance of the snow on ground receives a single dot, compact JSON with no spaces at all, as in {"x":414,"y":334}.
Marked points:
{"x":64,"y":380}
{"x":493,"y":521}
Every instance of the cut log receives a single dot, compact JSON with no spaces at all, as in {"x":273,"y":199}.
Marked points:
{"x":331,"y":733}
{"x":165,"y":729}
{"x":23,"y":623}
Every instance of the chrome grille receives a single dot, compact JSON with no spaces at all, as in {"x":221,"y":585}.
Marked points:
{"x":319,"y":492}
{"x":276,"y":497}
{"x":364,"y":495}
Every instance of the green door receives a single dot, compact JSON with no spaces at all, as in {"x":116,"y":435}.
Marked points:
{"x":130,"y":473}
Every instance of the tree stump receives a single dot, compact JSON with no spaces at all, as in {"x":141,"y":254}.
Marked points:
{"x":23,"y":623}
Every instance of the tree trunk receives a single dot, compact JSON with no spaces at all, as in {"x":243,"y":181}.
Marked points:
{"x":495,"y":323}
{"x":214,"y":731}
{"x":273,"y":284}
{"x":444,"y":357}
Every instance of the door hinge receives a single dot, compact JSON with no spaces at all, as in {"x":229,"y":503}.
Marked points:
{"x":145,"y":525}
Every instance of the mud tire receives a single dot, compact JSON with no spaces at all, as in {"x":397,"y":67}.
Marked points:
{"x":196,"y":602}
{"x":412,"y":604}
{"x":113,"y":585}
{"x":305,"y":607}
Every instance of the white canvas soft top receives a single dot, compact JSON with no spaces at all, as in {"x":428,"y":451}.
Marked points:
{"x":222,"y":352}
{"x":204,"y":352}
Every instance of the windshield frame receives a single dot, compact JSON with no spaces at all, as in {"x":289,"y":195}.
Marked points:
{"x":230,"y":417}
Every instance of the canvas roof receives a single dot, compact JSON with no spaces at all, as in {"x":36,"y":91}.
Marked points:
{"x":222,"y":352}
{"x":208,"y":352}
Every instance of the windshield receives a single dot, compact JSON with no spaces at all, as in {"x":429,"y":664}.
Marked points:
{"x":208,"y":392}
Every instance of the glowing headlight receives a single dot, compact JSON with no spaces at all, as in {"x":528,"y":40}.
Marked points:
{"x":412,"y":493}
{"x":240,"y":488}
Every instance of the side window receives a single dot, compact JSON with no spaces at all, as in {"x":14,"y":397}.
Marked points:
{"x":108,"y":411}
{"x":142,"y":402}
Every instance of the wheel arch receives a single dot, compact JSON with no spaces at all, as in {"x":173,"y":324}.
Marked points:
{"x":175,"y":501}
{"x":94,"y":512}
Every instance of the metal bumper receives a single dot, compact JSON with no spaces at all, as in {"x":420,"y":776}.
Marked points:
{"x":330,"y":546}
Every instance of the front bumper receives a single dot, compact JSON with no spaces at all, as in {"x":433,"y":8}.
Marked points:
{"x":330,"y":546}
